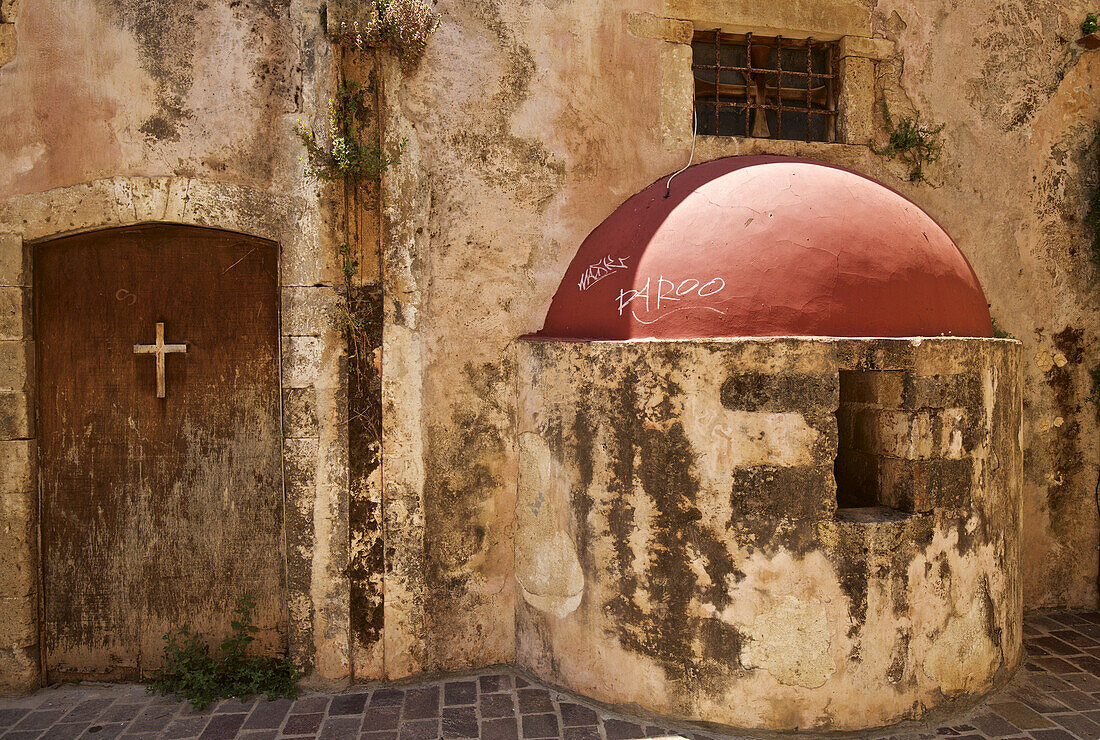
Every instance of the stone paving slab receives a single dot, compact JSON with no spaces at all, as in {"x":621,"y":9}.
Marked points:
{"x":1055,"y":697}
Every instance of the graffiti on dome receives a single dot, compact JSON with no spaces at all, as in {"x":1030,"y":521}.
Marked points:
{"x":667,"y":297}
{"x":597,"y":271}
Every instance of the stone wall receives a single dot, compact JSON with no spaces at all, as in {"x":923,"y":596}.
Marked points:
{"x":181,"y":112}
{"x":522,"y":128}
{"x":679,"y":544}
{"x":529,"y":123}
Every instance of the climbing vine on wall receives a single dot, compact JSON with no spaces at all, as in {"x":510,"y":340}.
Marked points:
{"x":402,"y":26}
{"x":347,"y":154}
{"x":911,"y":142}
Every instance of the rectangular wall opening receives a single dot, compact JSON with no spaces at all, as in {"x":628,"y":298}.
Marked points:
{"x":765,"y":86}
{"x":869,"y":403}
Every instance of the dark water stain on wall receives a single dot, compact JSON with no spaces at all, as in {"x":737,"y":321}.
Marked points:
{"x":165,"y":32}
{"x":651,"y":452}
{"x":462,"y":471}
{"x":1067,"y":460}
{"x":366,"y":565}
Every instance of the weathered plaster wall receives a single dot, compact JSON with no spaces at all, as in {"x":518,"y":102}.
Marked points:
{"x":525,"y":125}
{"x":119,"y":112}
{"x":679,"y":544}
{"x":528,"y":123}
{"x":99,"y":88}
{"x":1022,"y":110}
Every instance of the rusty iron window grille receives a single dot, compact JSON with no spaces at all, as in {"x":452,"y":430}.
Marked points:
{"x":765,"y":86}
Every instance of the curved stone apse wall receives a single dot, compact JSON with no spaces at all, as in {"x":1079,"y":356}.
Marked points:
{"x":770,"y":533}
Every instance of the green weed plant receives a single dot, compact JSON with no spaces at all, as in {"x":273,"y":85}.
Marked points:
{"x":339,"y":153}
{"x":912,"y":143}
{"x":192,"y":673}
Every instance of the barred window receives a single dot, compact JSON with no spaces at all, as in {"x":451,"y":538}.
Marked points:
{"x":765,"y":87}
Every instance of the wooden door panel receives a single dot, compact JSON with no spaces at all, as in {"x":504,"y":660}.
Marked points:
{"x":156,"y":512}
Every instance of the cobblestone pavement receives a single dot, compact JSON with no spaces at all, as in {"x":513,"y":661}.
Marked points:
{"x":1055,"y":697}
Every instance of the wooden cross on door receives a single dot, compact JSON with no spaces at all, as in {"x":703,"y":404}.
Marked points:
{"x":160,"y":349}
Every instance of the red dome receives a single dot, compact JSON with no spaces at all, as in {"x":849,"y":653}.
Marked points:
{"x":768,"y":246}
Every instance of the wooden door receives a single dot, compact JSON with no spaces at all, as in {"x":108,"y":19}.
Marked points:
{"x":156,"y":512}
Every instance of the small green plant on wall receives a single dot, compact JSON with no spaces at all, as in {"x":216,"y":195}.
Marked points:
{"x":339,"y":153}
{"x":193,"y":674}
{"x":402,"y":26}
{"x":912,"y":143}
{"x":1090,"y":24}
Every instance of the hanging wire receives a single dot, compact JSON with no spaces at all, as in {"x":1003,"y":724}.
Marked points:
{"x":694,"y":133}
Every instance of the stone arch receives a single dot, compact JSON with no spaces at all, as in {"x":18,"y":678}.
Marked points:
{"x":314,"y":450}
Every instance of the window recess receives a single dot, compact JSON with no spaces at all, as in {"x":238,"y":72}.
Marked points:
{"x":765,"y":86}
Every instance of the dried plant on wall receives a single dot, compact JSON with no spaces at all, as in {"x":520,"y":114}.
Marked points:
{"x":402,"y":26}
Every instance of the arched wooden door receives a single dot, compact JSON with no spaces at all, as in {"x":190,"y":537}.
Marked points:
{"x":159,"y":451}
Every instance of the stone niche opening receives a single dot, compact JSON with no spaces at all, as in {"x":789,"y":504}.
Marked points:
{"x":769,"y":460}
{"x":903,"y":442}
{"x":868,"y":399}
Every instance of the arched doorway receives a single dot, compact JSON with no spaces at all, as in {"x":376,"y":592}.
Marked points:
{"x":159,"y":442}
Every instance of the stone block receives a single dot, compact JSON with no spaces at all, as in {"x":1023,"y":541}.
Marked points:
{"x":780,"y":392}
{"x":237,"y":207}
{"x":963,"y":390}
{"x":677,"y":96}
{"x":90,"y":205}
{"x":300,"y":481}
{"x":856,"y":102}
{"x":18,"y":622}
{"x":897,"y":433}
{"x":300,"y":471}
{"x":878,"y":387}
{"x":310,"y":311}
{"x":907,"y":434}
{"x":861,"y":46}
{"x":17,"y":466}
{"x":19,"y":670}
{"x":772,"y":492}
{"x":783,"y":17}
{"x":18,"y":545}
{"x":16,"y":416}
{"x":951,"y":355}
{"x":882,"y":354}
{"x":175,"y":207}
{"x":300,"y":413}
{"x":649,"y":26}
{"x":149,"y":197}
{"x":302,"y":361}
{"x":16,"y":358}
{"x":14,"y":261}
{"x":923,"y":485}
{"x":15,"y":313}
{"x":7,"y":43}
{"x":864,"y":423}
{"x":121,"y":188}
{"x":825,"y":446}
